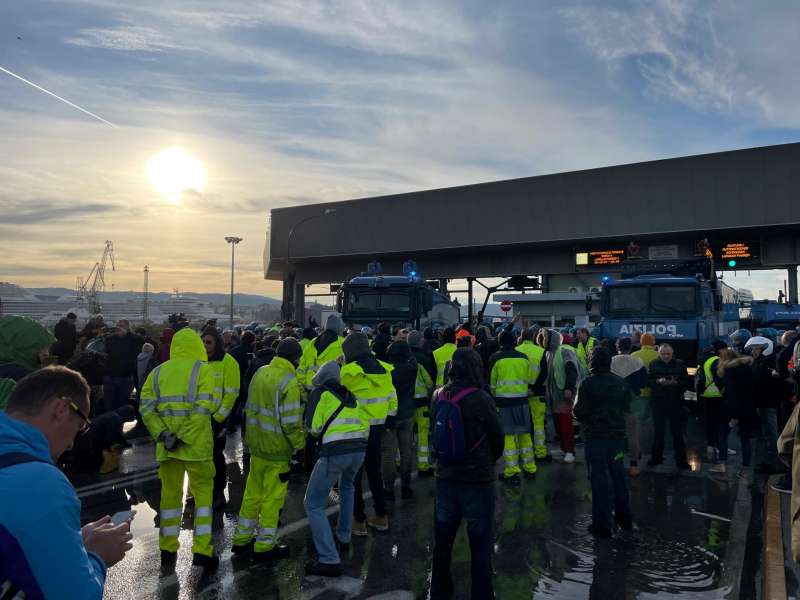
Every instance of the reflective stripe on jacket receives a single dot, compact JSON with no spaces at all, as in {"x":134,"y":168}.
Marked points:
{"x":423,"y":387}
{"x":226,"y":385}
{"x":178,"y":396}
{"x":584,"y":351}
{"x":274,"y":412}
{"x":510,"y":377}
{"x":350,"y":424}
{"x":311,"y":361}
{"x":442,"y":356}
{"x":535,"y":354}
{"x":711,"y":391}
{"x":374,"y":392}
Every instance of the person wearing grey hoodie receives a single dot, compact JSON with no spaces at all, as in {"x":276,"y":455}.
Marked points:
{"x":564,"y":376}
{"x":333,"y":416}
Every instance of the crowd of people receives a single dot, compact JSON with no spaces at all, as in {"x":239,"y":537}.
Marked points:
{"x":386,"y":404}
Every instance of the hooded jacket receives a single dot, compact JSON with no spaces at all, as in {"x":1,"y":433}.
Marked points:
{"x":737,"y":392}
{"x":21,"y":340}
{"x":40,"y":508}
{"x":178,"y":396}
{"x":404,"y":377}
{"x":564,"y":371}
{"x":327,"y":346}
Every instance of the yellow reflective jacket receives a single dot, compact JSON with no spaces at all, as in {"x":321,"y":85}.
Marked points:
{"x":371,"y":383}
{"x":510,"y":376}
{"x":423,"y":387}
{"x":348,"y":431}
{"x":535,"y":354}
{"x":226,"y":385}
{"x":442,"y":356}
{"x":178,"y":396}
{"x":312,"y":360}
{"x":584,"y":351}
{"x":647,"y":355}
{"x":275,"y":412}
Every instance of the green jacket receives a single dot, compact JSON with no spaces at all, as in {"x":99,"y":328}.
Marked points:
{"x":178,"y":396}
{"x":21,"y":340}
{"x":275,"y":412}
{"x":226,"y":385}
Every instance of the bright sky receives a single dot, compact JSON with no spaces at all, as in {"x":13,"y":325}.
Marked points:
{"x":251,"y":105}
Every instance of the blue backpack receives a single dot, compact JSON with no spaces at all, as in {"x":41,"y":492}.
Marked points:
{"x":447,"y":433}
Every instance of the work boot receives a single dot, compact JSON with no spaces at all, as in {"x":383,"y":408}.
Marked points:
{"x":168,"y":558}
{"x":359,"y":528}
{"x":378,"y":523}
{"x":406,"y":493}
{"x":314,"y":567}
{"x":209,"y":563}
{"x":244,"y":548}
{"x":423,"y":473}
{"x":275,"y":553}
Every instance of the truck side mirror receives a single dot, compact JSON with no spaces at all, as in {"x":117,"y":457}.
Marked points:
{"x":589,"y":303}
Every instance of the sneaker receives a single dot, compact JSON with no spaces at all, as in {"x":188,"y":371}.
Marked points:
{"x":314,"y":567}
{"x":569,"y":458}
{"x":731,"y":452}
{"x":720,"y":468}
{"x":168,"y":558}
{"x":378,"y":523}
{"x":423,"y":473}
{"x":359,"y":528}
{"x":209,"y":563}
{"x":783,"y":485}
{"x":406,"y":493}
{"x":243,"y":549}
{"x":276,"y":553}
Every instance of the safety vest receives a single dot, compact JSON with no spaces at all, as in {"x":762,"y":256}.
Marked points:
{"x":423,"y":387}
{"x":374,"y":392}
{"x":510,"y":378}
{"x":311,"y":361}
{"x":535,"y":354}
{"x":711,"y":391}
{"x":178,"y":396}
{"x":442,"y":356}
{"x":350,"y":424}
{"x":585,"y":350}
{"x":275,"y":412}
{"x":226,"y":385}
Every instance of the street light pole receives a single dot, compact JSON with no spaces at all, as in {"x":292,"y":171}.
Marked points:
{"x":288,"y":300}
{"x":232,"y":240}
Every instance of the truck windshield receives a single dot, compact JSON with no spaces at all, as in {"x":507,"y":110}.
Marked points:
{"x":652,"y":300}
{"x":375,"y":302}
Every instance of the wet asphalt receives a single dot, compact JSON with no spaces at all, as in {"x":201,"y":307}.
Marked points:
{"x":697,"y":537}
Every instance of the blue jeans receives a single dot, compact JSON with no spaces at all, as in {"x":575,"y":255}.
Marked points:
{"x":116,"y":392}
{"x":474,"y":503}
{"x":327,"y":471}
{"x":606,"y":464}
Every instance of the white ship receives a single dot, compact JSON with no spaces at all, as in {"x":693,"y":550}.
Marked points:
{"x":48,"y":310}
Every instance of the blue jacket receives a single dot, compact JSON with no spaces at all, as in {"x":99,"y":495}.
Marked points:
{"x":40,"y":508}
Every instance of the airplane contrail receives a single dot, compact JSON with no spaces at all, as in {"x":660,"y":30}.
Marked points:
{"x":57,"y":97}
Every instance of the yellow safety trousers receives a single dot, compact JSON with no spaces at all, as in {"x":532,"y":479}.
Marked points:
{"x":201,"y":479}
{"x":262,"y":503}
{"x":423,"y":420}
{"x":538,"y":411}
{"x":516,"y":448}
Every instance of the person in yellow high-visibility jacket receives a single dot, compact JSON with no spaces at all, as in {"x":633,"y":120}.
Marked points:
{"x":423,"y":391}
{"x":536,"y":401}
{"x":325,"y":347}
{"x":585,"y":345}
{"x":444,"y":353}
{"x":177,"y":402}
{"x":274,"y":414}
{"x":509,"y":380}
{"x":226,"y":391}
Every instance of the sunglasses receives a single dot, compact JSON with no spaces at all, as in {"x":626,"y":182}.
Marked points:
{"x":86,"y":421}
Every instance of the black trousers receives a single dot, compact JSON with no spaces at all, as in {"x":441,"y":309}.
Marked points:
{"x":372,"y":465}
{"x":712,"y":412}
{"x":220,"y":464}
{"x":674,"y":412}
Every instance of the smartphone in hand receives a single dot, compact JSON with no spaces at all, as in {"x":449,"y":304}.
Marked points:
{"x":122,"y":516}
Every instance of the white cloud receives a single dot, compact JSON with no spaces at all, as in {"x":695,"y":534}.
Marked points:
{"x":130,"y":38}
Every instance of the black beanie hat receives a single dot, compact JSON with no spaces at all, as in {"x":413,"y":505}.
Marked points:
{"x":289,"y":349}
{"x":355,"y":346}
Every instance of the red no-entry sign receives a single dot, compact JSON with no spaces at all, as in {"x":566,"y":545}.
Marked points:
{"x":505,"y":305}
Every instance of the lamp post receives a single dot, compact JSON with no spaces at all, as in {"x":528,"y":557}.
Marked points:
{"x":232,"y":240}
{"x":288,"y":295}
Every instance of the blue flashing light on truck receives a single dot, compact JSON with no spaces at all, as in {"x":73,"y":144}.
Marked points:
{"x":681,"y":302}
{"x":373,"y":297}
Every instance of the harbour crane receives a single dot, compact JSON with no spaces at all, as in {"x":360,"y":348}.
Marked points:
{"x":88,"y":288}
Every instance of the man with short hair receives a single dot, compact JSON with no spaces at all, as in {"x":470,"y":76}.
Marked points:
{"x":66,"y":338}
{"x":43,"y":548}
{"x":584,"y":347}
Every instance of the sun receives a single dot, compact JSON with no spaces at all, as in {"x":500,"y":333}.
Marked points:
{"x":174,"y":171}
